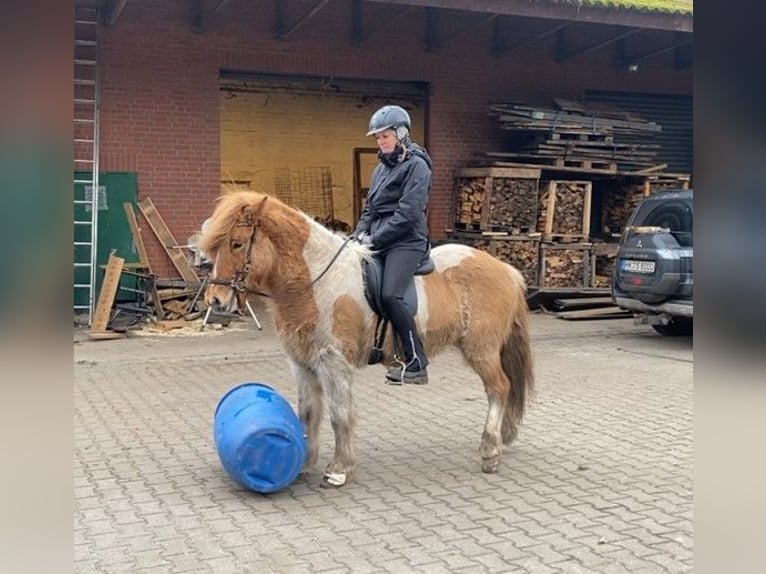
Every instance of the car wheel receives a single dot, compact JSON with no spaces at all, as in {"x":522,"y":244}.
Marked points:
{"x":676,"y":328}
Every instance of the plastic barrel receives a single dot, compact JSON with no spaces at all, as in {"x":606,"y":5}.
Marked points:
{"x":259,"y":438}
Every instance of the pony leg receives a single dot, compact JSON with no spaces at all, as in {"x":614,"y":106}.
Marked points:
{"x":498,"y":387}
{"x":335,"y":376}
{"x":309,"y":408}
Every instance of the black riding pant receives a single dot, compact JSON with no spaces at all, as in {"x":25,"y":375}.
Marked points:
{"x":399,"y":266}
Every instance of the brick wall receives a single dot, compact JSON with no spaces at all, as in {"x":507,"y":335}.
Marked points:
{"x":160,"y":98}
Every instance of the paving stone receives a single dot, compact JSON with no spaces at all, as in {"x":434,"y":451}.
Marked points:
{"x":599,"y":479}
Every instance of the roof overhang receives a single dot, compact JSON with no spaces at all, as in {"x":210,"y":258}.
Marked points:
{"x":574,"y":12}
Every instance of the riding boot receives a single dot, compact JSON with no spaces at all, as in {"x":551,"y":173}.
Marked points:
{"x":413,"y":369}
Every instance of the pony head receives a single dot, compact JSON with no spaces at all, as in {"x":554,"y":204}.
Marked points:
{"x":241,"y":251}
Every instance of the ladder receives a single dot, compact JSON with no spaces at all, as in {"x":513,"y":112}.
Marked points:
{"x":86,"y":142}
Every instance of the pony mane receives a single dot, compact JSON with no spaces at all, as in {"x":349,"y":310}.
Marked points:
{"x":273,"y":216}
{"x":231,"y":209}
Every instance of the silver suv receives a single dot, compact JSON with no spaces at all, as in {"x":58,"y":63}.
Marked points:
{"x":653,"y":274}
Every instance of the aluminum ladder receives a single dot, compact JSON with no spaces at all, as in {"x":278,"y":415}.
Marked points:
{"x":86,"y":143}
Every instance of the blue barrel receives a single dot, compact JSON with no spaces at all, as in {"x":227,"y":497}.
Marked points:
{"x":259,"y":438}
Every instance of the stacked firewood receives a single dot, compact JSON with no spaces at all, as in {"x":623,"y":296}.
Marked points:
{"x":568,"y":204}
{"x":496,"y":199}
{"x":662,"y":182}
{"x":604,"y":255}
{"x":471,"y":192}
{"x":620,"y":198}
{"x":519,"y":251}
{"x":565,"y":265}
{"x":513,"y":205}
{"x":523,"y":254}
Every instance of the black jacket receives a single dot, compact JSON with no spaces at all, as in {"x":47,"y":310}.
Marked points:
{"x":394,"y":214}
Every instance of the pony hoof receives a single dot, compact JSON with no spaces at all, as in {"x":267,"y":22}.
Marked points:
{"x":333,"y":480}
{"x":490,"y":464}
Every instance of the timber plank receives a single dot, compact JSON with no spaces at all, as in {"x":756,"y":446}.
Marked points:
{"x":109,"y":287}
{"x":168,"y":242}
{"x":138,"y":241}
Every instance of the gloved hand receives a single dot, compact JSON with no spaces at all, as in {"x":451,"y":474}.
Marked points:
{"x":364,"y":238}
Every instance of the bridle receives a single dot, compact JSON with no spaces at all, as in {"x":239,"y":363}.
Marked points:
{"x":238,"y":282}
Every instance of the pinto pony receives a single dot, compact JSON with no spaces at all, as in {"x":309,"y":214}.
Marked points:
{"x":314,"y":281}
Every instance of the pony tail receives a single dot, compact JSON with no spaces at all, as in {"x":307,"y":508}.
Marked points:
{"x":516,"y":359}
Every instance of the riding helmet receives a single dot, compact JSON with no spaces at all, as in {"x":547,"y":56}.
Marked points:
{"x":389,"y":118}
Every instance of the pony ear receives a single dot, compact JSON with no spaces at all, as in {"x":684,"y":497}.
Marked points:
{"x":250,"y":212}
{"x":258,"y":207}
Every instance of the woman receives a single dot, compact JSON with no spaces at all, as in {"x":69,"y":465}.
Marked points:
{"x":393,"y":224}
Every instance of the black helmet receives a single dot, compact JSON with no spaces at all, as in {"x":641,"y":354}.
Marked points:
{"x":389,"y":118}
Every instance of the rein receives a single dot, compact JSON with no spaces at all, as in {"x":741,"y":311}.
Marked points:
{"x":237,"y":283}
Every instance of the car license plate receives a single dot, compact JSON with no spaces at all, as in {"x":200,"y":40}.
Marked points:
{"x":633,"y":266}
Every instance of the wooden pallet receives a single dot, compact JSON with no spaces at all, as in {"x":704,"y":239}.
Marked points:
{"x":565,"y":265}
{"x":495,"y":199}
{"x":552,"y":199}
{"x":564,"y":238}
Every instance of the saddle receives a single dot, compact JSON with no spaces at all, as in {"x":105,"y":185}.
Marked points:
{"x":373,"y":280}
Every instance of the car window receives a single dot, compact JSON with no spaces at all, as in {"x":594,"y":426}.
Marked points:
{"x":675,"y":215}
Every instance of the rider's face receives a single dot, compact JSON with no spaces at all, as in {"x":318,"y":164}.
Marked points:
{"x":386,"y":141}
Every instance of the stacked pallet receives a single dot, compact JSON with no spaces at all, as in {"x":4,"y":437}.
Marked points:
{"x":496,"y":199}
{"x":573,"y":134}
{"x":619,"y":198}
{"x":522,"y":252}
{"x":664,"y":181}
{"x":565,"y":265}
{"x":496,"y":211}
{"x":604,"y":256}
{"x":564,"y":212}
{"x":510,"y":215}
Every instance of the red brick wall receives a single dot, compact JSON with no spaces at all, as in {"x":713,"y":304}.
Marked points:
{"x":160,"y":115}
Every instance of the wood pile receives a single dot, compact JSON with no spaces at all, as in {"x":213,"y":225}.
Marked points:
{"x":522,"y":252}
{"x":619,"y":199}
{"x":470,"y":202}
{"x":564,"y":212}
{"x":604,"y":257}
{"x":565,"y":265}
{"x":661,"y":182}
{"x":575,"y":134}
{"x":496,"y":199}
{"x":513,"y":204}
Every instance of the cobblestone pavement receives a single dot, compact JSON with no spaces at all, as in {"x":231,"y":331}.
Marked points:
{"x":599,"y":479}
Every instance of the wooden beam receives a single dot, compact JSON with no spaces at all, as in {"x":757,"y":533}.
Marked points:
{"x":430,"y":34}
{"x":563,"y":54}
{"x":357,"y":29}
{"x":113,"y":11}
{"x":503,"y":49}
{"x":627,"y":60}
{"x":168,"y":242}
{"x":318,"y":7}
{"x":571,"y":11}
{"x":498,"y":45}
{"x":109,"y":286}
{"x":385,"y":22}
{"x":470,"y":26}
{"x":143,"y":258}
{"x":203,"y":15}
{"x":681,"y":62}
{"x":280,"y":17}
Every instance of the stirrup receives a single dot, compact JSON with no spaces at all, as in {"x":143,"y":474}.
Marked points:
{"x":395,"y":374}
